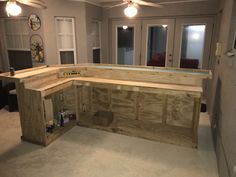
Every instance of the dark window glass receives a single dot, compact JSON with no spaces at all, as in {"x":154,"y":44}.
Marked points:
{"x":67,"y":57}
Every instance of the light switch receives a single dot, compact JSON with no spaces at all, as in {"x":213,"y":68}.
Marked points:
{"x":218,"y":49}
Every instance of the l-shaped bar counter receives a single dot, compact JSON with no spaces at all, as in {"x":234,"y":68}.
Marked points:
{"x":161,"y":104}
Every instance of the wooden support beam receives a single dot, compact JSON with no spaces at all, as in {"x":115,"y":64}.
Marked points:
{"x":164,"y":110}
{"x":196,"y":116}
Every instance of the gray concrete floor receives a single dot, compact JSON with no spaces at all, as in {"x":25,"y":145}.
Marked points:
{"x":84,"y":152}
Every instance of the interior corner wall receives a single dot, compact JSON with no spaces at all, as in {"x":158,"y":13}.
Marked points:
{"x":92,"y":13}
{"x":223,"y":95}
{"x":62,"y":8}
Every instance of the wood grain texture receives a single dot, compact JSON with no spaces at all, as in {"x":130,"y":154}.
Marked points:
{"x":144,"y":129}
{"x":160,"y":104}
{"x":151,"y":107}
{"x":135,"y":75}
{"x":180,"y":111}
{"x":172,"y":89}
{"x":32,"y":116}
{"x":100,"y":99}
{"x":123,"y":105}
{"x":195,"y":118}
{"x":64,"y":99}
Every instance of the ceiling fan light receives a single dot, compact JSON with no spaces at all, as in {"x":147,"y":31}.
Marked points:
{"x":13,"y":9}
{"x":125,"y":27}
{"x":130,"y":11}
{"x":164,"y":26}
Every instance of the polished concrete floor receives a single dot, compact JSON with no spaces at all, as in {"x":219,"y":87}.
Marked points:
{"x":84,"y":152}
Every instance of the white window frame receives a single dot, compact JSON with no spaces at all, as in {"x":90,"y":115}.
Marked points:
{"x":100,"y":36}
{"x":73,"y":34}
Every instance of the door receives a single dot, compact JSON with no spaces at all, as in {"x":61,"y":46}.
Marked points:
{"x":192,"y":42}
{"x":157,"y":42}
{"x":126,"y":42}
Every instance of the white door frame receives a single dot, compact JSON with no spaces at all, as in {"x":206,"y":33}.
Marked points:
{"x":137,"y":39}
{"x":180,"y":22}
{"x":170,"y":35}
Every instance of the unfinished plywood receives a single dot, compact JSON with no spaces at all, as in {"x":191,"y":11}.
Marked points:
{"x":151,"y":107}
{"x":48,"y":107}
{"x":160,"y":104}
{"x":144,"y":129}
{"x":86,"y":99}
{"x":64,"y":99}
{"x":69,"y":99}
{"x":123,"y":104}
{"x":33,"y":112}
{"x":100,"y":99}
{"x":180,"y":111}
{"x":150,"y":75}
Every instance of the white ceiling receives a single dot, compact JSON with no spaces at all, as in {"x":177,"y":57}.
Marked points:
{"x":103,"y":3}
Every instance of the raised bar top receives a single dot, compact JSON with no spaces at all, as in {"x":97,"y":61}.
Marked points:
{"x":22,"y":74}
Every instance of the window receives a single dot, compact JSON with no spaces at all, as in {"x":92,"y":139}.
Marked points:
{"x":17,"y":41}
{"x":17,"y":34}
{"x":192,"y":48}
{"x":125,"y":45}
{"x":96,"y":41}
{"x":65,"y":29}
{"x":157,"y":45}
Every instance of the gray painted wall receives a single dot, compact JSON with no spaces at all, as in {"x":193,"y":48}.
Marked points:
{"x":82,"y":12}
{"x":223,"y":95}
{"x":92,"y":13}
{"x":26,"y":11}
{"x":61,"y":8}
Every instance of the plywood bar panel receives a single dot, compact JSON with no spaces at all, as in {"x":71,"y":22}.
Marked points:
{"x":155,"y":103}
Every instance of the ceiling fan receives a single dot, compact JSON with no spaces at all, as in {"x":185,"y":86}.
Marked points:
{"x":13,"y":9}
{"x":131,"y":10}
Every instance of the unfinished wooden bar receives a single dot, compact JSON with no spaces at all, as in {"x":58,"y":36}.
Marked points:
{"x":161,"y":104}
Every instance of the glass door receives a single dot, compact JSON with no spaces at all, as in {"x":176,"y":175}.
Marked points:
{"x":157,"y":42}
{"x":192,"y":43}
{"x":126,"y":42}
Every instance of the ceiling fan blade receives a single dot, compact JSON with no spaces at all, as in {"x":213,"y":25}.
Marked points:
{"x":181,"y":1}
{"x":38,"y":2}
{"x":34,"y":3}
{"x":117,"y":5}
{"x":144,"y":3}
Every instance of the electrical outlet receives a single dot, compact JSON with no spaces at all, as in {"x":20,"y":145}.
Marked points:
{"x":235,"y":169}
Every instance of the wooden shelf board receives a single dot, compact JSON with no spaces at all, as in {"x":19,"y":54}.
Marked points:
{"x":59,"y":131}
